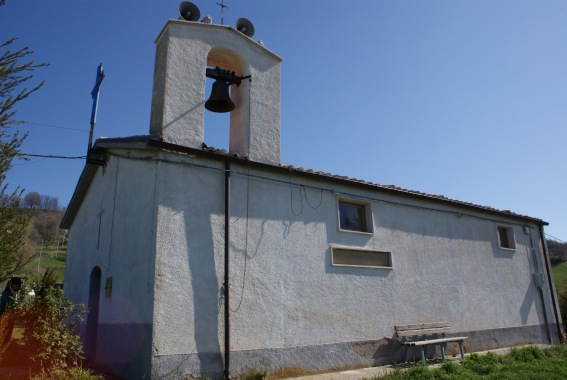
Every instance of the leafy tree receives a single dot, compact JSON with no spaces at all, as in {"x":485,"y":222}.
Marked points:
{"x":32,"y":200}
{"x":14,"y":74}
{"x":49,"y":203}
{"x":14,"y":227}
{"x":46,"y":225}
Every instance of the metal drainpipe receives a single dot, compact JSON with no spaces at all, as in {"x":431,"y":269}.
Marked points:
{"x":226,"y":271}
{"x":550,"y":282}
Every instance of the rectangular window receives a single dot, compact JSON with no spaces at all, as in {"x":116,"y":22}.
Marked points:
{"x":354,"y":216}
{"x":348,"y":257}
{"x":506,"y":237}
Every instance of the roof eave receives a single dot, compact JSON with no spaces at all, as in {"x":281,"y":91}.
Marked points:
{"x":145,"y":142}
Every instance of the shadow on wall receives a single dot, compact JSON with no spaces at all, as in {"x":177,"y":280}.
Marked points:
{"x":529,"y":302}
{"x":201,"y":261}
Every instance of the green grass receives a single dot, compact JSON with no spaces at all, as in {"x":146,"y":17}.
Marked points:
{"x":559,"y":275}
{"x":50,"y":257}
{"x":527,"y":363}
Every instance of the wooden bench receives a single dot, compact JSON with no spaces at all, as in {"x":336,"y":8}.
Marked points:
{"x":425,"y":334}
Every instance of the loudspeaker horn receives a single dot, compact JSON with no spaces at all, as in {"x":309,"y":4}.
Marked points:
{"x":245,"y":27}
{"x":189,"y":11}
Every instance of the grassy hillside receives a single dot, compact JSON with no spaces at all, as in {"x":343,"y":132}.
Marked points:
{"x":47,"y":257}
{"x":46,"y":242}
{"x":560,"y":275}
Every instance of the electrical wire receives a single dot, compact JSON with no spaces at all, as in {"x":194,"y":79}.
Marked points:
{"x":307,"y":200}
{"x":54,"y":156}
{"x":247,"y":206}
{"x":245,"y":243}
{"x":30,"y":163}
{"x":554,"y":238}
{"x":291,"y":197}
{"x":55,"y":126}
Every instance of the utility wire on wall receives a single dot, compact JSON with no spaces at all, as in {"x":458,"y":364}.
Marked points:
{"x":303,"y":194}
{"x":457,"y":213}
{"x":245,"y":242}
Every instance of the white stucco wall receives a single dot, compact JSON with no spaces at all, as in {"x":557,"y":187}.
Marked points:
{"x":121,"y":202}
{"x":161,"y":239}
{"x":188,"y":230}
{"x":284,"y":291}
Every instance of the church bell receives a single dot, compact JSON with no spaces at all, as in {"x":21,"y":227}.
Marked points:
{"x":219,"y":101}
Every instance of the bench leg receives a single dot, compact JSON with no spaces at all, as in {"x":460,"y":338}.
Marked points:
{"x":462,"y":350}
{"x":423,"y":353}
{"x":443,"y":347}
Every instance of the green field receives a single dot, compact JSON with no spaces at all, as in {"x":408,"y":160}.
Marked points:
{"x":48,"y":257}
{"x":560,"y":275}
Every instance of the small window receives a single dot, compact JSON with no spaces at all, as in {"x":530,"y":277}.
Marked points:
{"x":348,"y":257}
{"x":355,"y":216}
{"x":506,"y":237}
{"x":108,"y":287}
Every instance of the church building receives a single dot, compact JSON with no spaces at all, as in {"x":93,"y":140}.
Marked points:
{"x":195,"y":261}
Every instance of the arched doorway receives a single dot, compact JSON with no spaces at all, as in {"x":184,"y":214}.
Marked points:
{"x":92,"y":316}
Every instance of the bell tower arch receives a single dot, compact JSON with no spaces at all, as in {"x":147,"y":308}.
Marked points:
{"x":184,"y":50}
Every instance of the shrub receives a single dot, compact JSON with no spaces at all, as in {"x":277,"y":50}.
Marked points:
{"x":451,"y":368}
{"x":253,"y":374}
{"x":73,"y":373}
{"x":482,"y":364}
{"x":420,"y":372}
{"x":49,"y":320}
{"x":527,"y":354}
{"x":557,"y":351}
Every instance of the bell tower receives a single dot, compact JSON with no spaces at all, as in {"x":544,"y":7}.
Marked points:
{"x":186,"y":51}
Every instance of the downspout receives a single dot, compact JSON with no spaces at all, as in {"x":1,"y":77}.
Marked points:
{"x":226,"y":270}
{"x":552,"y":290}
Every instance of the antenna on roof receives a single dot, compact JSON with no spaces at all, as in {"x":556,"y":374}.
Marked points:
{"x":221,"y":4}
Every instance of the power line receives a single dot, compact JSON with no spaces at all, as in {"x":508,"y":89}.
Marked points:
{"x":55,"y":126}
{"x":30,"y":162}
{"x":553,"y":237}
{"x":53,"y":156}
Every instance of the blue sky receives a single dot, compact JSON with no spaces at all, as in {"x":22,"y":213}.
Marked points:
{"x":466,"y":99}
